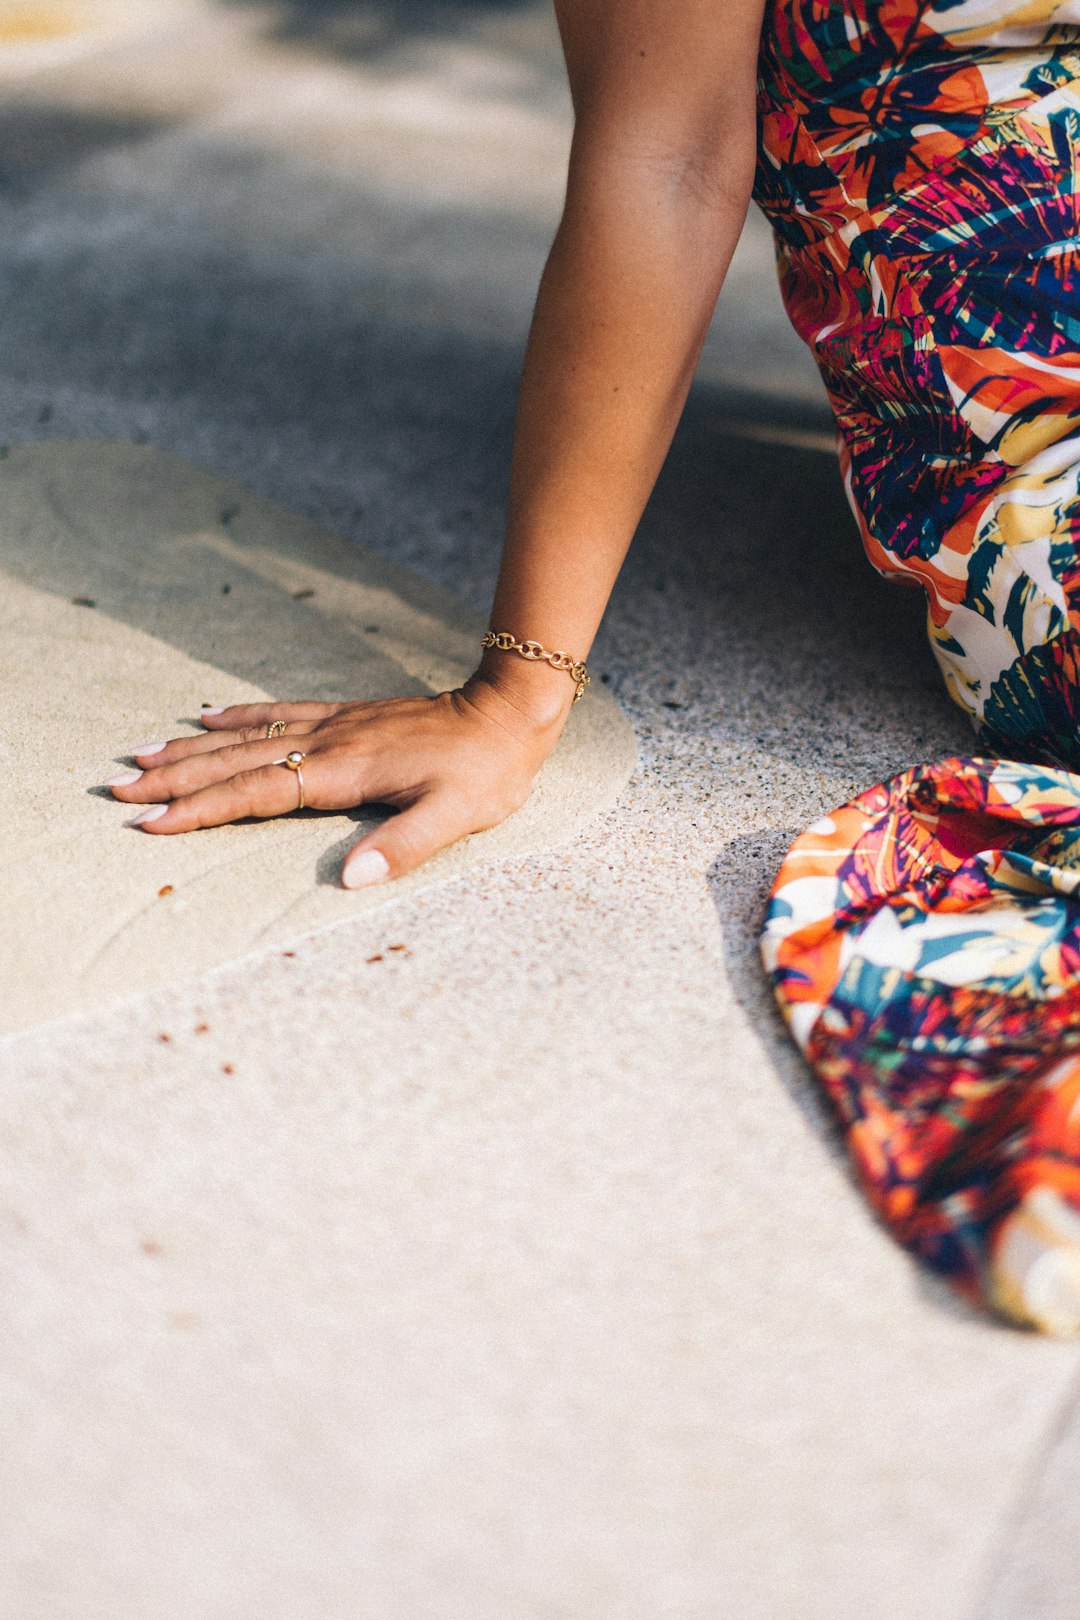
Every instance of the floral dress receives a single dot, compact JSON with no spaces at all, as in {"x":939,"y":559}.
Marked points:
{"x":920,"y":164}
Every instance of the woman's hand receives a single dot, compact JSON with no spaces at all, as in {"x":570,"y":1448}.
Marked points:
{"x":452,"y":765}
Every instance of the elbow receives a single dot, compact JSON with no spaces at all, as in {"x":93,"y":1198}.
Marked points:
{"x":707,"y":158}
{"x":713,"y":173}
{"x":704,"y":166}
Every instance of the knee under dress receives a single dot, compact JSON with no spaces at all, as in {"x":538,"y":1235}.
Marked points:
{"x":920,"y":163}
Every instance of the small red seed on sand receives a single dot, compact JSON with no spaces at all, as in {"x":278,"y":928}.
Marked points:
{"x":167,"y":889}
{"x":374,"y":959}
{"x":164,"y":1039}
{"x":398,"y":948}
{"x":202,"y":1029}
{"x":288,"y":953}
{"x":227,"y":1068}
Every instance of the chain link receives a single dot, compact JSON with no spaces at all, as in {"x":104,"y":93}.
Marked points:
{"x":576,"y":668}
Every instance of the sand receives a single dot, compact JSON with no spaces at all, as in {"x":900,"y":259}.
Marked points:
{"x":136,"y":587}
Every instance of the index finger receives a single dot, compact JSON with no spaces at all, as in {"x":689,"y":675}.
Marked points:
{"x":240,"y":715}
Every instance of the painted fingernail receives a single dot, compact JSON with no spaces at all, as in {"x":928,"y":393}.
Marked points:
{"x":151,"y":813}
{"x":148,"y":748}
{"x":370,"y":867}
{"x":208,"y":708}
{"x":125,"y":780}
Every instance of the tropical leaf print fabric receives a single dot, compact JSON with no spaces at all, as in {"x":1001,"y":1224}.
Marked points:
{"x":923,"y":177}
{"x":920,"y":164}
{"x":925,"y":944}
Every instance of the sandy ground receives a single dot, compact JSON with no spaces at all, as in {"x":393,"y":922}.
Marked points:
{"x":129,"y":582}
{"x":516,"y":1275}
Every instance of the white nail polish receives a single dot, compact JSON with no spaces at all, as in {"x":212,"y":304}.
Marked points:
{"x":148,"y":748}
{"x":370,"y":867}
{"x":151,"y":813}
{"x":208,"y":709}
{"x":125,"y":780}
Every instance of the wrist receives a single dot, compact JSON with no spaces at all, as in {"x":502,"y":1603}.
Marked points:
{"x":531,"y":696}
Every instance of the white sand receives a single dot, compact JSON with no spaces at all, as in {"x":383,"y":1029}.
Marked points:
{"x":101,"y":911}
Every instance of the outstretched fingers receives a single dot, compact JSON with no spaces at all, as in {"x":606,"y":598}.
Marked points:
{"x":266,"y":790}
{"x":241,"y":715}
{"x":424,"y":755}
{"x":151,"y":755}
{"x":188,"y":773}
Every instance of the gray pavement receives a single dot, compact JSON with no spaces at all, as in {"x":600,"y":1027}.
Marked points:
{"x":572,"y":1310}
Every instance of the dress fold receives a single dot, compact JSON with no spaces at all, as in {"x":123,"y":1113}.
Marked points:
{"x":920,"y":165}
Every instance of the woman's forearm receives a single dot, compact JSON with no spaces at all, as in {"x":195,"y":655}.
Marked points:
{"x":622,"y":313}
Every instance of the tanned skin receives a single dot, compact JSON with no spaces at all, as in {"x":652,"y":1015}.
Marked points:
{"x":657,"y":192}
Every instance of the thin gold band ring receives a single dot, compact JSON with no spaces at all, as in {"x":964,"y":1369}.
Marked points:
{"x":276,"y":728}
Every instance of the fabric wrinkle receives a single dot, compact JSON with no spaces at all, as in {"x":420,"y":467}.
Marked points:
{"x":920,"y":164}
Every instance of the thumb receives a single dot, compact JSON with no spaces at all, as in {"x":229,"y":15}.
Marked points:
{"x":402,"y":843}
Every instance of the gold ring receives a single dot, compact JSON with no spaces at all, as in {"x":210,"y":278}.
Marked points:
{"x":293,"y":762}
{"x":276,"y":728}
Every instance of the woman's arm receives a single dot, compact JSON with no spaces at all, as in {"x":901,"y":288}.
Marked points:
{"x":658,"y":187}
{"x":660,"y":174}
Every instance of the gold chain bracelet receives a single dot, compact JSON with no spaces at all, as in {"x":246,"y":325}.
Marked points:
{"x":576,"y":668}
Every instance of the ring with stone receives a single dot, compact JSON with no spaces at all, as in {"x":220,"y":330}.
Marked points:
{"x":293,"y":762}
